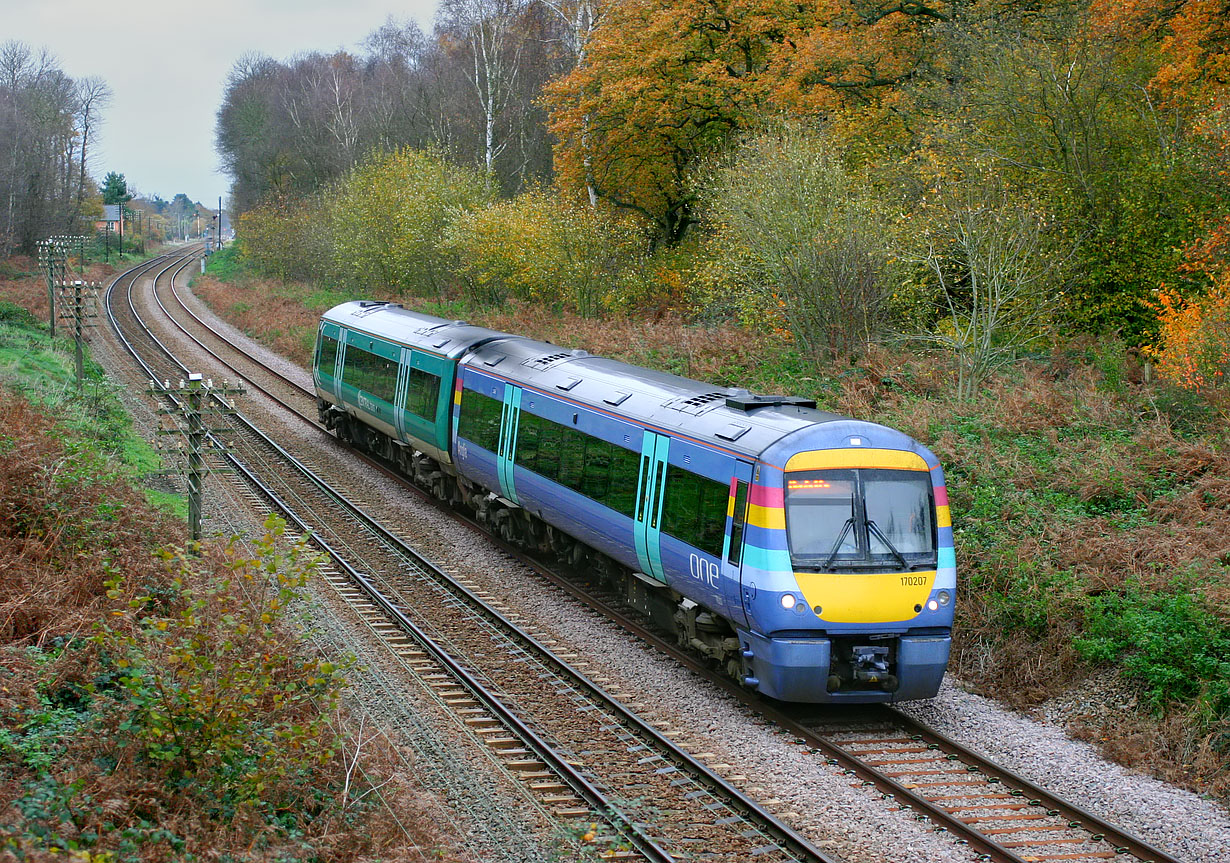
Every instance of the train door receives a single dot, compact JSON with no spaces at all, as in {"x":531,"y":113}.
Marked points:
{"x":328,"y":358}
{"x":732,"y":545}
{"x":651,"y":487}
{"x":510,"y":421}
{"x":399,"y":399}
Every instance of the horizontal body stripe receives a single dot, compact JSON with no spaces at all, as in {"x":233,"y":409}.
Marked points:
{"x":765,"y":560}
{"x":943,"y":518}
{"x":853,"y":457}
{"x":947,"y":557}
{"x":941,"y":495}
{"x":767,"y":496}
{"x":769,"y":518}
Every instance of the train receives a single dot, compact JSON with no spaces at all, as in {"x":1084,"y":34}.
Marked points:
{"x":808,"y":555}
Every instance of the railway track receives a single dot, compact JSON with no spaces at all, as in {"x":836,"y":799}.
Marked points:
{"x":1001,"y":816}
{"x":584,"y":751}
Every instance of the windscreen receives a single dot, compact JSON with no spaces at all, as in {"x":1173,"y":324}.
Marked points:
{"x":860,"y":517}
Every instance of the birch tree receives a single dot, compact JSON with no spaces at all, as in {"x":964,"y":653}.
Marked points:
{"x":488,"y":33}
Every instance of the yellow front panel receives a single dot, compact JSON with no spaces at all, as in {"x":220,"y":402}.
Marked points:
{"x":865,"y":597}
{"x":897,"y":459}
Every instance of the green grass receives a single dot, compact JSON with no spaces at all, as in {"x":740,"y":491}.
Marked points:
{"x":225,"y":263}
{"x":43,"y":370}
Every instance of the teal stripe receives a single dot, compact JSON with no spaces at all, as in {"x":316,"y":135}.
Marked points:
{"x":948,"y":557}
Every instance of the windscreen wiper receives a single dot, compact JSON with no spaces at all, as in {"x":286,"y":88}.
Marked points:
{"x":845,"y":528}
{"x":871,"y":526}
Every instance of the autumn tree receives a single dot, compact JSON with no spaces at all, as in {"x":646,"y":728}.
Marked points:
{"x":388,"y":215}
{"x":808,"y":235}
{"x":664,"y":84}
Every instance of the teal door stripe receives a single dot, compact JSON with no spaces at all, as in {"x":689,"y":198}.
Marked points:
{"x":510,"y":421}
{"x":651,"y":490}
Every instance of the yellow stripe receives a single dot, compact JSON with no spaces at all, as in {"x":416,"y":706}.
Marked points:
{"x":772,"y":518}
{"x":865,"y":598}
{"x":856,"y":457}
{"x":943,"y":518}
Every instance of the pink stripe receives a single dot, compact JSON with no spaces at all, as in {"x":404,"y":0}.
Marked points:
{"x":941,"y":495}
{"x":768,"y":496}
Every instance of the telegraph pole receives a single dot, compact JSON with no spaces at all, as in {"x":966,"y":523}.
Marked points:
{"x":80,"y":300}
{"x":53,"y":257}
{"x":192,"y":400}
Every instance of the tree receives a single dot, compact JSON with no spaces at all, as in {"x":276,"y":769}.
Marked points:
{"x":488,"y":31}
{"x":115,"y":189}
{"x":663,"y":85}
{"x":986,"y":261}
{"x":807,"y":234}
{"x":41,"y":167}
{"x":93,"y":95}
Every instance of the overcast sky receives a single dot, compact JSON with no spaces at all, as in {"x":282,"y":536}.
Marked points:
{"x":167,"y":62}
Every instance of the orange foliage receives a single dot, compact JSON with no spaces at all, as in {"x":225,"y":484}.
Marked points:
{"x":1195,"y":349}
{"x":664,"y":82}
{"x":1194,"y":40}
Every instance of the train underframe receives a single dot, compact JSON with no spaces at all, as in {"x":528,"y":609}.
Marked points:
{"x":694,"y":626}
{"x":859,"y":668}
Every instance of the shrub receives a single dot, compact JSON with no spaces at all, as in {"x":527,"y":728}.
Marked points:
{"x":1169,"y":642}
{"x":214,"y":691}
{"x":1194,"y":349}
{"x":544,"y":249}
{"x":808,"y":236}
{"x":389,"y":215}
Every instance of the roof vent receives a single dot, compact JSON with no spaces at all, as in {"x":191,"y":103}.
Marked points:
{"x":695,"y":404}
{"x":545,"y":362}
{"x":750,"y":402}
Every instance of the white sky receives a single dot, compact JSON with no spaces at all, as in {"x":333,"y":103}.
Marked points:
{"x":167,"y":63}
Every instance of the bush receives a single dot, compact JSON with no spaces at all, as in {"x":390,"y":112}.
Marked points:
{"x":544,"y":249}
{"x":389,"y":215}
{"x":1169,"y":642}
{"x":287,"y":239}
{"x":810,"y":240}
{"x":212,"y":692}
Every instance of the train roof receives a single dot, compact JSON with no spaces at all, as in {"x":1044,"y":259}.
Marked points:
{"x":395,"y":323}
{"x":729,"y":417}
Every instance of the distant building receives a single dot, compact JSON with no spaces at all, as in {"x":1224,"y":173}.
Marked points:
{"x":110,"y":219}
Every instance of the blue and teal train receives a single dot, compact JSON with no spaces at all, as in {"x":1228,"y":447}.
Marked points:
{"x":809,"y":554}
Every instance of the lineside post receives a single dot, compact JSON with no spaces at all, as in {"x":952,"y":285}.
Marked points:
{"x":191,"y":401}
{"x":78,"y":304}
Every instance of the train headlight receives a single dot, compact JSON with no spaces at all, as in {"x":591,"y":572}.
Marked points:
{"x":933,"y":605}
{"x":944,"y":597}
{"x":788,"y":601}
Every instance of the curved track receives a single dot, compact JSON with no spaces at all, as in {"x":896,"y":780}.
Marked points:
{"x":588,"y":755}
{"x":999,"y":814}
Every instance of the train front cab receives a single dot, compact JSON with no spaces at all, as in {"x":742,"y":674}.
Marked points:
{"x":848,"y":571}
